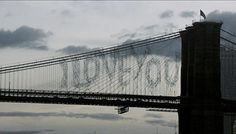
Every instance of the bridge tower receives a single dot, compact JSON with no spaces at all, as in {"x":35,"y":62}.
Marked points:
{"x":200,"y":79}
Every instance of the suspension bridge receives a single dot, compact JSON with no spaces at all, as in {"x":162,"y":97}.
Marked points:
{"x":190,"y":71}
{"x":115,"y":76}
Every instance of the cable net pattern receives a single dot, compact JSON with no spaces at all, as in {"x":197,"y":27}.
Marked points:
{"x":144,"y":67}
{"x":228,"y":65}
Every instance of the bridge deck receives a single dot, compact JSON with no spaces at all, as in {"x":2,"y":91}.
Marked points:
{"x":103,"y":99}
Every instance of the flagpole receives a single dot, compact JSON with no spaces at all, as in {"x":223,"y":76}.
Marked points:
{"x":202,"y":14}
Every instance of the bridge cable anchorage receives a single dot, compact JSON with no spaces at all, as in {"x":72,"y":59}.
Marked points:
{"x":86,"y":55}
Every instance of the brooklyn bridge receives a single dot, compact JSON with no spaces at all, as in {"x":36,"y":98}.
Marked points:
{"x":196,"y":77}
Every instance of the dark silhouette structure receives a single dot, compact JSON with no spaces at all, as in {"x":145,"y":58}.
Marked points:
{"x":200,"y":79}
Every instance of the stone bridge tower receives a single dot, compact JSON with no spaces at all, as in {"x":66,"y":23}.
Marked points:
{"x":200,"y":79}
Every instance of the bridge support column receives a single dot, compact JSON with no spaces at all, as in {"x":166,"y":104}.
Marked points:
{"x":200,"y":80}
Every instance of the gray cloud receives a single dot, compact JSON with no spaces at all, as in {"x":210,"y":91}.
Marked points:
{"x":27,"y":132}
{"x":66,"y":13}
{"x":187,"y":14}
{"x":170,"y":27}
{"x":141,"y":31}
{"x":153,"y":115}
{"x":167,"y":14}
{"x":159,"y":120}
{"x":53,"y":11}
{"x":151,"y":27}
{"x":107,"y":117}
{"x":8,"y":14}
{"x":228,"y":19}
{"x":24,"y":37}
{"x":163,"y":123}
{"x":145,"y":31}
{"x":128,"y":35}
{"x":169,"y":48}
{"x":76,"y":49}
{"x":20,"y":132}
{"x":98,"y":116}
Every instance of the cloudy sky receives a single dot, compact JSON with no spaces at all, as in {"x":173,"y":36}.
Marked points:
{"x":34,"y":30}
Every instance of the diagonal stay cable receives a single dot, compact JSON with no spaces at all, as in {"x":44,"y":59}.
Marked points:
{"x":224,"y":46}
{"x":86,"y":55}
{"x":234,"y":43}
{"x":89,"y":55}
{"x":134,"y":66}
{"x":162,"y":46}
{"x":159,"y":48}
{"x":91,"y":52}
{"x":230,"y":33}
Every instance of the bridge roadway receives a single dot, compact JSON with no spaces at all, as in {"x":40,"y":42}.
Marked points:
{"x":72,"y":97}
{"x":164,"y":103}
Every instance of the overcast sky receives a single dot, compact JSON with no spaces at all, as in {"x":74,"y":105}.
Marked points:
{"x":32,"y":30}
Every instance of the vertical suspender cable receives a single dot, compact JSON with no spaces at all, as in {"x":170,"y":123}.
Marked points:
{"x":0,"y":81}
{"x":13,"y":80}
{"x":9,"y":80}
